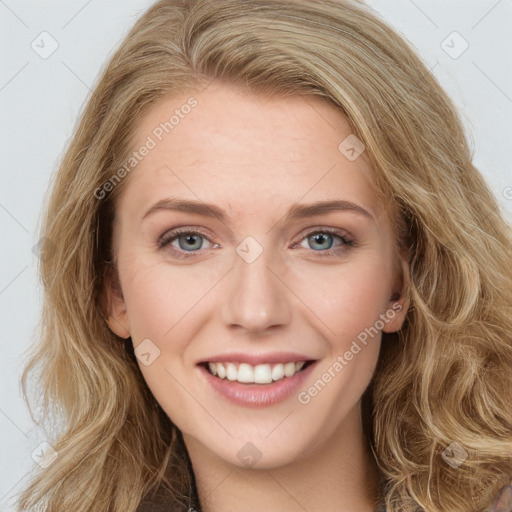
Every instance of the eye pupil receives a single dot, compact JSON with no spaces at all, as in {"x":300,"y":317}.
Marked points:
{"x":321,"y":236}
{"x":190,"y":241}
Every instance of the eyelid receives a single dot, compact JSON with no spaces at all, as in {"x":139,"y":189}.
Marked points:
{"x":179,"y":230}
{"x":347,"y":241}
{"x":169,"y":236}
{"x":342,"y":233}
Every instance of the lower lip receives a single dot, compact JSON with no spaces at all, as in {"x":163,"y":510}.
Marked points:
{"x":257,"y":395}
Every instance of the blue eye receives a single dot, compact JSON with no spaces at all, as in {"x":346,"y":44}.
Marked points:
{"x":191,"y":242}
{"x":188,"y":241}
{"x":320,"y":238}
{"x":323,"y":236}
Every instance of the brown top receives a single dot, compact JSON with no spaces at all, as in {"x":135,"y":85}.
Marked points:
{"x":502,"y":503}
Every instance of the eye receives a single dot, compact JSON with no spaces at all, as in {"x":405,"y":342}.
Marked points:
{"x":187,"y":242}
{"x":322,"y":239}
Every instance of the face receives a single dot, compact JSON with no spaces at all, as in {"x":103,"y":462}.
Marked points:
{"x":257,"y":279}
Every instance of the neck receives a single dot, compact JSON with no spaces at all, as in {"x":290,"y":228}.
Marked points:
{"x":337,"y":475}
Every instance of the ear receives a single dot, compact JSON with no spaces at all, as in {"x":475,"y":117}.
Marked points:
{"x":113,"y":304}
{"x":398,"y":304}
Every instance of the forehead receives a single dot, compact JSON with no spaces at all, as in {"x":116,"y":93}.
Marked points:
{"x":246,"y":152}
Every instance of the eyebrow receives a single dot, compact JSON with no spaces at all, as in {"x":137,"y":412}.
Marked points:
{"x":296,"y":212}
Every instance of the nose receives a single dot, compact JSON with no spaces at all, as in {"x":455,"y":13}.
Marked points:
{"x":258,"y":297}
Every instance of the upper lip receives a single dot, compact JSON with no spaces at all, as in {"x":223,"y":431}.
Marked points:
{"x":254,"y":359}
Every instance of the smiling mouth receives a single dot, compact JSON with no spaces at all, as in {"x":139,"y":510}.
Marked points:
{"x":245,"y":373}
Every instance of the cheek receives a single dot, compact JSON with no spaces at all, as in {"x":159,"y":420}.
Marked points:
{"x":161,"y":299}
{"x":345,"y":298}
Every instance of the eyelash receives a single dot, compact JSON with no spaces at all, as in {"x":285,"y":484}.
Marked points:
{"x":174,"y":234}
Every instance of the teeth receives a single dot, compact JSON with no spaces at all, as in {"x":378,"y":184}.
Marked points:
{"x":262,"y":374}
{"x":221,"y":371}
{"x":289,"y":369}
{"x":278,"y":372}
{"x":245,"y":373}
{"x":231,"y":372}
{"x":259,"y":374}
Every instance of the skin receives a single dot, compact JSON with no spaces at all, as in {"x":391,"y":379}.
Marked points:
{"x":290,"y":298}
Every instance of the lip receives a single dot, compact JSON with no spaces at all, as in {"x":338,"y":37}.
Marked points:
{"x":257,"y":395}
{"x":254,"y":359}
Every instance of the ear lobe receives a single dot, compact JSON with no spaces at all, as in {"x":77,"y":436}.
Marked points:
{"x":399,"y":302}
{"x":396,"y":314}
{"x":113,"y":304}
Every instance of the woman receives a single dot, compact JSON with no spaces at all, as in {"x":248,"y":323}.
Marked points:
{"x":203,"y":348}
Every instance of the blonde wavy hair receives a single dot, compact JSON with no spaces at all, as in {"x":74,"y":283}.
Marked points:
{"x":445,"y":377}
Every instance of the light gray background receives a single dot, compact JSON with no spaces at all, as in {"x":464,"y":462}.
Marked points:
{"x":41,"y":98}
